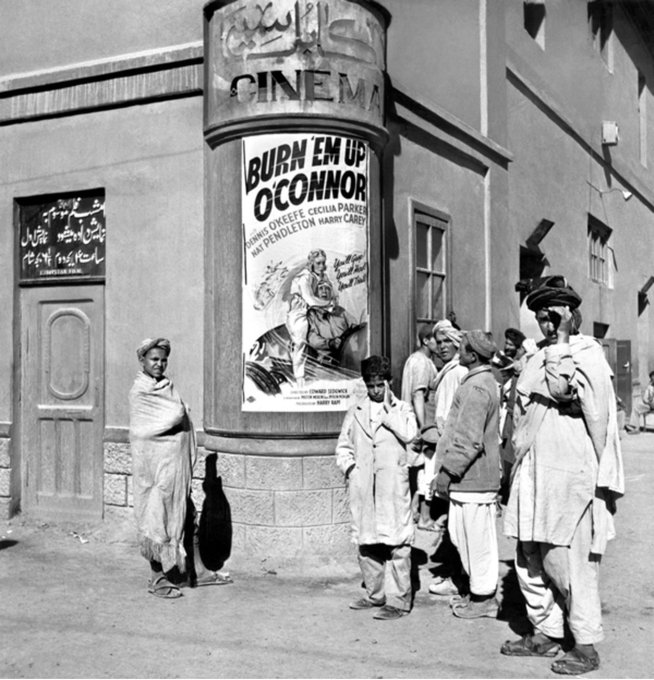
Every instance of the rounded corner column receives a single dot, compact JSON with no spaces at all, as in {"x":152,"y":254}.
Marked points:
{"x":294,"y":133}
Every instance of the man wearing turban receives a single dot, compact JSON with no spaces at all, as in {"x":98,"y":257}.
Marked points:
{"x":448,"y":339}
{"x":565,"y":480}
{"x":163,"y":453}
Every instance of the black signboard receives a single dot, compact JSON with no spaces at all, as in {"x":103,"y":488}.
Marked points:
{"x":62,"y":238}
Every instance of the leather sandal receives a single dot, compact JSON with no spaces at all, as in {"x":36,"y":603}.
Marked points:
{"x":526,"y":646}
{"x":214,"y":578}
{"x":162,"y":587}
{"x":576,"y":662}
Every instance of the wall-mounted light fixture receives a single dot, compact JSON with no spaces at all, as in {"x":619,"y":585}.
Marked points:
{"x":626,"y":194}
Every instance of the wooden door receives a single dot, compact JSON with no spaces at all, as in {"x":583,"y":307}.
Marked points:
{"x":62,"y":400}
{"x":618,"y":354}
{"x":623,"y":385}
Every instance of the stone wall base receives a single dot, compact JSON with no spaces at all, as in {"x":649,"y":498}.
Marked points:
{"x":6,"y":505}
{"x":288,"y":513}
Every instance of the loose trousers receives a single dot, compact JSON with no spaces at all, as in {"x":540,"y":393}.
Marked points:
{"x":386,"y":571}
{"x":555,"y":579}
{"x":473,"y":530}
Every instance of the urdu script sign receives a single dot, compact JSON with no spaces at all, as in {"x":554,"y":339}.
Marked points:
{"x":62,"y":239}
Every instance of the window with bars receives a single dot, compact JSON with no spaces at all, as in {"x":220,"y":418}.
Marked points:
{"x":600,"y":255}
{"x":430,"y":266}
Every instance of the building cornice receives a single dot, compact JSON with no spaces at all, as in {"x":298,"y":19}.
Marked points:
{"x":105,"y":83}
{"x":177,"y":72}
{"x":418,"y":110}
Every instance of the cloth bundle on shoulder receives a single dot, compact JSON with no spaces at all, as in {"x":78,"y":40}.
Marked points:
{"x":215,"y":527}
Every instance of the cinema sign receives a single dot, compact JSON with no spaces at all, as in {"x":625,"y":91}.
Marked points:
{"x":312,"y":60}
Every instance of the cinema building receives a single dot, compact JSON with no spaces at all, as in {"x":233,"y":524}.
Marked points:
{"x":182,"y":169}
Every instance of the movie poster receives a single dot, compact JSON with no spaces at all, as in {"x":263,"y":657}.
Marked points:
{"x":305,"y":271}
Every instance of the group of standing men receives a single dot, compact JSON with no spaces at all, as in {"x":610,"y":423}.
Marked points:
{"x":562,"y":470}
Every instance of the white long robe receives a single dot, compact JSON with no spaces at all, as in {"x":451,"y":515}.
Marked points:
{"x":163,"y":454}
{"x":564,"y":464}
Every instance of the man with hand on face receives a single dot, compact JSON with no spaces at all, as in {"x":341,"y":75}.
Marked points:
{"x":469,"y":476}
{"x":565,"y":480}
{"x":374,"y":453}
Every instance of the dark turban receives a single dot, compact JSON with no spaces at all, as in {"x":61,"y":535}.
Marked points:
{"x":151,"y":343}
{"x":554,"y":291}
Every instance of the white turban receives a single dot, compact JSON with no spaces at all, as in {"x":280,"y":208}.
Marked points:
{"x":445,"y":327}
{"x":150,"y":343}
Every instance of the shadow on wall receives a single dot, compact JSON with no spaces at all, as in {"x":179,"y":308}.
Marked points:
{"x":214,"y":532}
{"x":208,"y":540}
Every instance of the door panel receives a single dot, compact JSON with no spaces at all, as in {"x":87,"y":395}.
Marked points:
{"x":62,"y":334}
{"x":623,"y":374}
{"x":618,"y":354}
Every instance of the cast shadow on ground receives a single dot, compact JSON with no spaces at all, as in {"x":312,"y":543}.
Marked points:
{"x":512,"y":607}
{"x":7,"y":543}
{"x":446,"y":560}
{"x":514,"y":611}
{"x":418,"y":557}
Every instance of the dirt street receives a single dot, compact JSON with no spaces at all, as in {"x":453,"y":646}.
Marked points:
{"x":73,"y":604}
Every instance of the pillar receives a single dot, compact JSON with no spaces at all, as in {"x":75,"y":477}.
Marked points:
{"x":294,"y":129}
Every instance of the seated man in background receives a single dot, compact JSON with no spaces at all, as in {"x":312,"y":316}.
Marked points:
{"x":641,"y":406}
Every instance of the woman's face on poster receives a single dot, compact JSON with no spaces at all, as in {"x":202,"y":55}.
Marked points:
{"x":319,"y":264}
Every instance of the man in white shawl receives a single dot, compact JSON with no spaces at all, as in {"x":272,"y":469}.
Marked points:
{"x":163,"y":454}
{"x":448,"y":340}
{"x":565,"y":480}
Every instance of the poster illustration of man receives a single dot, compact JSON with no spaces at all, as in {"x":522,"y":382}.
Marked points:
{"x":305,"y":271}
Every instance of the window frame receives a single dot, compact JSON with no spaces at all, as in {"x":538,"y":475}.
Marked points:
{"x":435,"y":219}
{"x":600,"y":253}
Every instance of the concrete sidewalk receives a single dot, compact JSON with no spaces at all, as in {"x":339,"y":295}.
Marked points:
{"x":73,"y":603}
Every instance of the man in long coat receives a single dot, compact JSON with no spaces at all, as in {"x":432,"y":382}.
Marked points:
{"x":374,"y":455}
